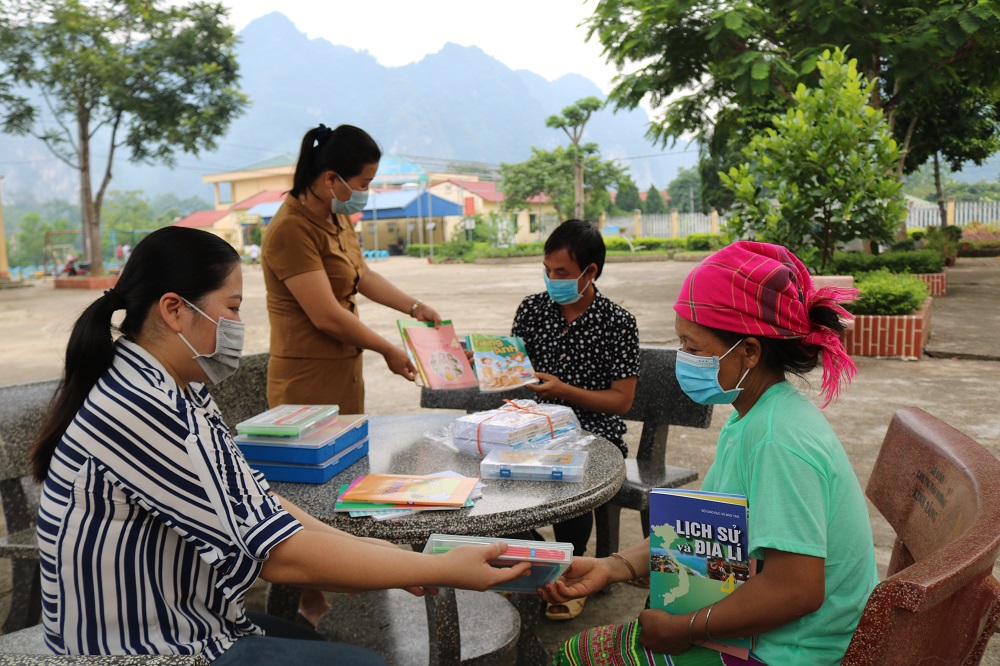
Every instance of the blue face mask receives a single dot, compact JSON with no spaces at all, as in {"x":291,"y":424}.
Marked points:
{"x":699,"y":378}
{"x":356,"y":204}
{"x":564,"y":292}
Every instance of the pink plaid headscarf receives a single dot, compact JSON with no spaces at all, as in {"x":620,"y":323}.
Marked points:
{"x":764,"y":290}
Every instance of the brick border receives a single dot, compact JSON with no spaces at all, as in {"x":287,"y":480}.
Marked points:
{"x":897,"y":336}
{"x":937,"y":282}
{"x":86,"y":282}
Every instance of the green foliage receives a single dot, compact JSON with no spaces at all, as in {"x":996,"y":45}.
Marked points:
{"x":550,"y":172}
{"x":920,"y":184}
{"x":519,"y":250}
{"x":883,"y":293}
{"x":157,"y":79}
{"x":685,"y":191}
{"x":857,"y":264}
{"x":705,"y":65}
{"x":821,"y":177}
{"x":627,"y":199}
{"x":704,"y":242}
{"x":456,"y":249}
{"x":655,"y":205}
{"x":916,"y":234}
{"x":944,"y":240}
{"x":980,"y":236}
{"x":573,"y":121}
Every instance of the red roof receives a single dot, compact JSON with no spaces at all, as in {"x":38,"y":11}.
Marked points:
{"x":267,"y":196}
{"x":487,"y":190}
{"x":202,"y":218}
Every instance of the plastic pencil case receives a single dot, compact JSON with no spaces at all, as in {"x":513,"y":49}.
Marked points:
{"x":549,"y":559}
{"x":288,"y":420}
{"x":313,"y":473}
{"x":314,"y":449}
{"x":529,"y":465}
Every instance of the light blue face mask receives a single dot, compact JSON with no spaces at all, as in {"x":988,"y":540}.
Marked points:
{"x":355,"y":204}
{"x":699,"y":378}
{"x":564,"y":292}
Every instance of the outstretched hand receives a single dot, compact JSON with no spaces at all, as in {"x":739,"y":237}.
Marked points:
{"x":399,"y":362}
{"x":585,"y":576}
{"x":425,"y":312}
{"x":471,"y":568}
{"x":550,"y":386}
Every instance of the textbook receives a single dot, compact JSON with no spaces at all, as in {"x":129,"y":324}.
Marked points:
{"x":419,"y":490}
{"x":288,"y":420}
{"x":501,"y":362}
{"x":438,"y":355}
{"x":698,"y":553}
{"x":402,"y":325}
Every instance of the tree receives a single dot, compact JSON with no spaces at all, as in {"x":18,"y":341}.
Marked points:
{"x":655,"y":205}
{"x":628,"y":199}
{"x":702,"y":60}
{"x":125,"y":75}
{"x":685,"y":191}
{"x":828,"y":167}
{"x":549,"y":173}
{"x":572,"y":121}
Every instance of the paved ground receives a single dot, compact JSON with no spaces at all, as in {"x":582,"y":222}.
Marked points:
{"x":957,"y":384}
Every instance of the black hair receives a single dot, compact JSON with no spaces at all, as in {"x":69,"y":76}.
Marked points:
{"x":788,"y":355}
{"x":188,"y":262}
{"x":345,"y":151}
{"x":582,"y":240}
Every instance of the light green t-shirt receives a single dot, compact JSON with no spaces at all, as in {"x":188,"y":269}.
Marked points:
{"x":804,"y":498}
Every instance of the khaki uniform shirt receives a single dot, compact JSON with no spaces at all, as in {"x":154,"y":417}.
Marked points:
{"x":297,"y":241}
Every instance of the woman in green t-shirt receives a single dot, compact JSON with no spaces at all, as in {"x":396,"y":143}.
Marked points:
{"x":747,"y":317}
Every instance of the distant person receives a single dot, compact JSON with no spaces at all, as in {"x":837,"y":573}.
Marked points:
{"x":253,"y":253}
{"x":119,"y":253}
{"x":747,"y":317}
{"x":151,"y":525}
{"x":313,"y":271}
{"x":585,"y":349}
{"x":126,"y":252}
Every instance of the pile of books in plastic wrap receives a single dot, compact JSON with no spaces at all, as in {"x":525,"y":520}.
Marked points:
{"x":518,"y":424}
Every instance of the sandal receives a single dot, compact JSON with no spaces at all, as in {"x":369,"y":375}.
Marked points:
{"x":565,"y":611}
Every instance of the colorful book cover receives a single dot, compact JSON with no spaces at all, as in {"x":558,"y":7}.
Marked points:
{"x":698,"y":553}
{"x":404,"y":489}
{"x":402,"y":325}
{"x":501,"y":362}
{"x":440,"y":357}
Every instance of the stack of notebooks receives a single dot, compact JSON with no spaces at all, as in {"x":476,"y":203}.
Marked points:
{"x":385,"y":496}
{"x":303,"y":443}
{"x":523,"y":424}
{"x":549,"y":559}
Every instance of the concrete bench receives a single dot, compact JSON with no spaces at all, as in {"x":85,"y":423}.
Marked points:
{"x":940,"y":491}
{"x":659,"y":403}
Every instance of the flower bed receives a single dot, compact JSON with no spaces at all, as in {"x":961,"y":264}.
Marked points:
{"x":936,"y":282}
{"x":86,"y":282}
{"x":900,"y":336}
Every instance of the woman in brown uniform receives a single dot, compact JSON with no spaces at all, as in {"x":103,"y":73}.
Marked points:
{"x":313,"y":271}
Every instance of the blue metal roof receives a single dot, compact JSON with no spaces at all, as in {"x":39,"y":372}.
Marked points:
{"x":407,"y":203}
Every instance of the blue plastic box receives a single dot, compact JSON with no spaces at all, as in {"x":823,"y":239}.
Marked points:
{"x":313,"y":473}
{"x":314,"y":449}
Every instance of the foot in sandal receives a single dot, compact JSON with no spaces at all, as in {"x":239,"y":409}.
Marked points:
{"x":565,"y":611}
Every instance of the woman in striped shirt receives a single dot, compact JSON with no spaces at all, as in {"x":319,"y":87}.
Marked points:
{"x":151,"y":525}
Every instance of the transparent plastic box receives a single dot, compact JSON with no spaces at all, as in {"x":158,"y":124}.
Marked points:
{"x":331,"y":437}
{"x":534,"y":465}
{"x":549,"y":559}
{"x":288,"y":420}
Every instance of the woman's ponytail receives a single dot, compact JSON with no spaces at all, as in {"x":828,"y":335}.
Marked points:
{"x":89,"y":354}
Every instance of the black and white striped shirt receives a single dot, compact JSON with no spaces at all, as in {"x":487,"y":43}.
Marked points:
{"x":151,"y":525}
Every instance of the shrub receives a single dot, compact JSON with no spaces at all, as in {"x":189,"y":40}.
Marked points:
{"x":455,"y":249}
{"x":908,"y":245}
{"x":923,"y":261}
{"x":883,"y":293}
{"x":916,"y":233}
{"x":523,"y":250}
{"x":651,"y":243}
{"x":857,"y":264}
{"x":414,"y":249}
{"x":703,"y":242}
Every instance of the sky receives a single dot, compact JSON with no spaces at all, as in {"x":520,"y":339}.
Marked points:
{"x":539,"y":35}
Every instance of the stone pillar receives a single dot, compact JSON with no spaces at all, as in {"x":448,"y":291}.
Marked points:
{"x":675,"y":224}
{"x":951,"y":211}
{"x":636,"y":223}
{"x":4,"y":268}
{"x":713,"y":221}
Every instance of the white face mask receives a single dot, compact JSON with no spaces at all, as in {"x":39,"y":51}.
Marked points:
{"x":224,"y":361}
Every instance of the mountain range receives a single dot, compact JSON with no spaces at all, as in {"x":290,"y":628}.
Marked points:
{"x":458,"y":104}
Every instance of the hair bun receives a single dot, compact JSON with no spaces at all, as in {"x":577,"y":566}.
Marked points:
{"x":322,"y":133}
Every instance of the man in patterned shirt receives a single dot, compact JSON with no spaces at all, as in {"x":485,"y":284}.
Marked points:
{"x":585,"y":350}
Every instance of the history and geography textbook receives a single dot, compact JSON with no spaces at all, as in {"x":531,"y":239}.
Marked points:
{"x":501,"y":362}
{"x":698,"y":553}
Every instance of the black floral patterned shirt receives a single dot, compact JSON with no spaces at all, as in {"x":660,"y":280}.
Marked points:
{"x":599,"y":347}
